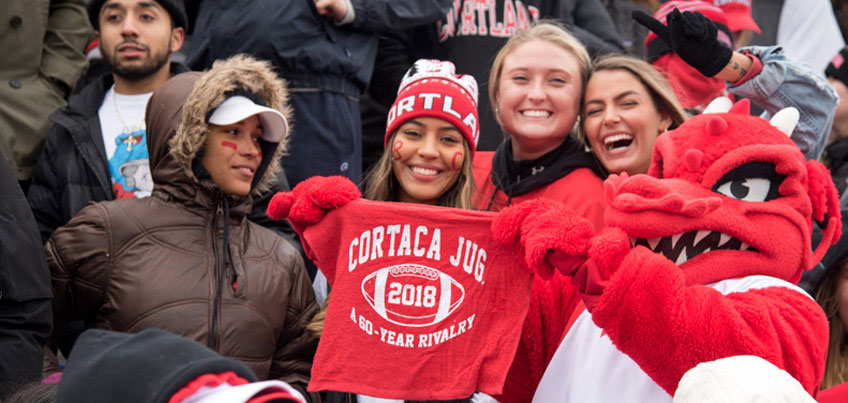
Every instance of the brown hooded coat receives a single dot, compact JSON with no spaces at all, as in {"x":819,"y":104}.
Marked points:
{"x":131,"y":264}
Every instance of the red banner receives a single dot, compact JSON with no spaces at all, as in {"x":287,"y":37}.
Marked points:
{"x":425,"y":305}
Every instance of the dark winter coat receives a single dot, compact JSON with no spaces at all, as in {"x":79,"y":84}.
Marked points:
{"x":309,"y":50}
{"x":25,"y":316}
{"x":186,"y":259}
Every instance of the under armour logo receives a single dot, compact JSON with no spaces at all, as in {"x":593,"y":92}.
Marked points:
{"x":535,"y":170}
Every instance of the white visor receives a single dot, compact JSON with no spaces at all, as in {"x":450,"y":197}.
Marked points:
{"x":237,"y":108}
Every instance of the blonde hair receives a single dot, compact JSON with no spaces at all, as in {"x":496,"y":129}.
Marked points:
{"x":543,"y":30}
{"x":382,"y":185}
{"x":654,"y":82}
{"x":836,"y":366}
{"x":316,"y":325}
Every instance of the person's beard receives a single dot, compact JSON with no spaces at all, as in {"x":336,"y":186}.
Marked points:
{"x":136,"y":72}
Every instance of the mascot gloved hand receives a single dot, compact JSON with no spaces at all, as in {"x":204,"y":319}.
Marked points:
{"x":543,"y":228}
{"x":554,"y":237}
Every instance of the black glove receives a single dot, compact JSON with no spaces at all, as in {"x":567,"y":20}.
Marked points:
{"x":692,"y":36}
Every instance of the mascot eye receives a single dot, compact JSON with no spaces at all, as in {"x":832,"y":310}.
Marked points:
{"x":751,"y":189}
{"x":752,"y":182}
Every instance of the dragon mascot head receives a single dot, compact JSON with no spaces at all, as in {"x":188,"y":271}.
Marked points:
{"x":729,"y":195}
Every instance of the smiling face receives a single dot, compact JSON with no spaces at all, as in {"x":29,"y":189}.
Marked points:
{"x":427,"y":158}
{"x":232,"y":155}
{"x":538,"y":97}
{"x":136,"y":37}
{"x":621,"y":121}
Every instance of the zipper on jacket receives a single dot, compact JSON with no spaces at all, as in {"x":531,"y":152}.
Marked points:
{"x":219,"y":274}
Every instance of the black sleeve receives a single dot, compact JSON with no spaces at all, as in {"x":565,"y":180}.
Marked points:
{"x":394,"y":52}
{"x":25,"y":297}
{"x":44,"y":193}
{"x":592,"y":25}
{"x":385,"y":15}
{"x":24,"y":327}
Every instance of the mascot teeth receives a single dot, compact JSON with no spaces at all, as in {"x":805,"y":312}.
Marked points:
{"x":681,"y":247}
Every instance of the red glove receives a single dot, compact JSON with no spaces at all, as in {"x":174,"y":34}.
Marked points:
{"x":608,"y":249}
{"x":311,"y":199}
{"x":544,"y":228}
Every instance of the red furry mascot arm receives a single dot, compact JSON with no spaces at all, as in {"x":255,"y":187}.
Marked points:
{"x":667,"y":327}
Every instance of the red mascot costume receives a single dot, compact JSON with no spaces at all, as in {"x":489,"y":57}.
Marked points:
{"x":698,"y":261}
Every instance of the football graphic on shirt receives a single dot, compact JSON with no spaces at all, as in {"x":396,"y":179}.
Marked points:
{"x":412,"y":294}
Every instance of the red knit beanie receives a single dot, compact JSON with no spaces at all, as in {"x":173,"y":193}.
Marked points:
{"x":431,"y":88}
{"x":738,"y":13}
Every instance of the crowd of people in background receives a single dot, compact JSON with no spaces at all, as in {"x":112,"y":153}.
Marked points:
{"x":142,"y":143}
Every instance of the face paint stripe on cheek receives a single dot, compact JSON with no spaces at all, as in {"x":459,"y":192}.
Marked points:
{"x":229,"y":144}
{"x":454,"y":163}
{"x":396,"y":150}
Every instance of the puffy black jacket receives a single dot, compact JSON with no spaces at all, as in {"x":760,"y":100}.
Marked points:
{"x":72,"y":169}
{"x":25,"y":314}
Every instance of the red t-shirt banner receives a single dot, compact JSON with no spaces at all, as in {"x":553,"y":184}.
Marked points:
{"x":425,"y":305}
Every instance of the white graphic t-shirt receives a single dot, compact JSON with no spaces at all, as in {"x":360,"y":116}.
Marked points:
{"x":125,"y":138}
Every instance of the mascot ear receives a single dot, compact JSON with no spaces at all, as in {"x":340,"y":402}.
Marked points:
{"x":825,"y":201}
{"x":785,"y":120}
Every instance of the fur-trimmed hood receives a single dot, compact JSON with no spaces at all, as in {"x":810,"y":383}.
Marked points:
{"x":176,"y":125}
{"x":240,"y":73}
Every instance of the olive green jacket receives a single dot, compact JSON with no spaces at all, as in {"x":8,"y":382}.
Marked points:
{"x":42,"y":44}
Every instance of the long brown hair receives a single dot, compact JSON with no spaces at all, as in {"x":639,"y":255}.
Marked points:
{"x":382,"y":185}
{"x":836,"y":366}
